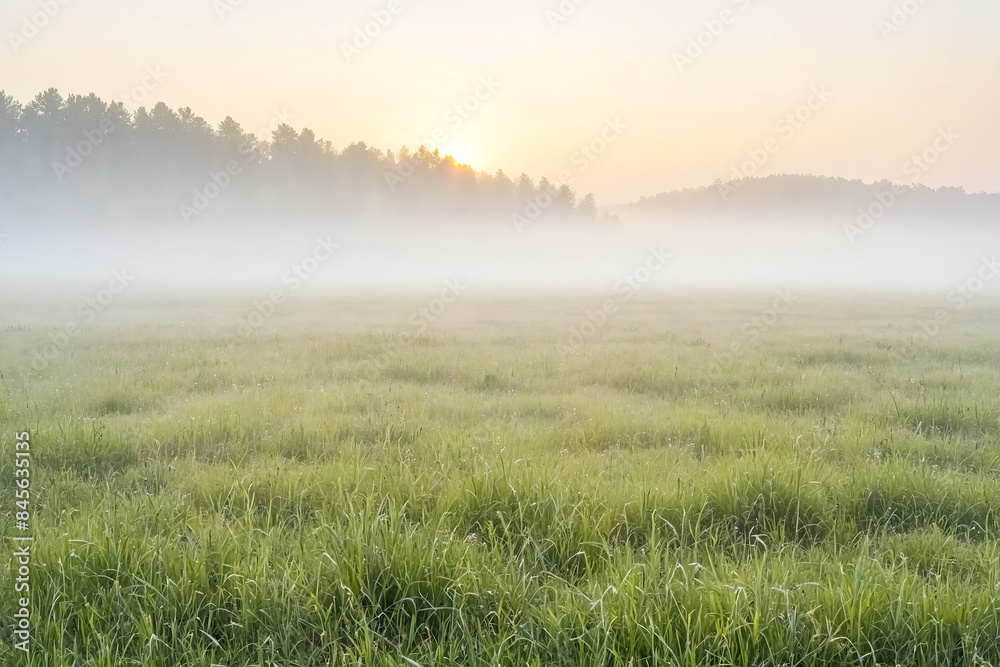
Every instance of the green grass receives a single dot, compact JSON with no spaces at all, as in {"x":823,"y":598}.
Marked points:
{"x":338,"y":491}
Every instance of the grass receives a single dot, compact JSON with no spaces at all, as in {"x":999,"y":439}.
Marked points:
{"x":339,"y":491}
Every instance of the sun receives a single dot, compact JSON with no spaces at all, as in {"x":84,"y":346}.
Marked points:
{"x":463,"y":154}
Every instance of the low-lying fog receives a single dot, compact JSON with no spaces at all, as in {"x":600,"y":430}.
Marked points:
{"x":891,"y":255}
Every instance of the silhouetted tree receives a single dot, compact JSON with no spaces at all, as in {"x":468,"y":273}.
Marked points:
{"x":81,"y":153}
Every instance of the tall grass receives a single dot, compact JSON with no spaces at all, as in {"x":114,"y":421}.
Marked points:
{"x":339,"y":492}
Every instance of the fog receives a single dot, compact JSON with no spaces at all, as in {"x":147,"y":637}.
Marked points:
{"x":175,"y":205}
{"x":894,"y":255}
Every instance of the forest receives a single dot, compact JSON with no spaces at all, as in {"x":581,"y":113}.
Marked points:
{"x":81,"y":156}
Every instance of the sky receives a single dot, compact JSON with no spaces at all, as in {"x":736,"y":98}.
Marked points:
{"x":663,"y":95}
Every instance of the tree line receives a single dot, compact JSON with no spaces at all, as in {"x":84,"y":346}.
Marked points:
{"x":80,"y":155}
{"x":817,"y":198}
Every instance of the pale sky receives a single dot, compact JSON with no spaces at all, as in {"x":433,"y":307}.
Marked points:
{"x":558,"y":86}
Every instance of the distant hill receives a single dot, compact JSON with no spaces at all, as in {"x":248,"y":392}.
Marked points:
{"x":816,"y":198}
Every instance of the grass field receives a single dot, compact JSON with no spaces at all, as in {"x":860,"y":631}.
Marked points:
{"x":337,"y":490}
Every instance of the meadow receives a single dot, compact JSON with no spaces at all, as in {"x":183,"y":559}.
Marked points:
{"x":339,"y":489}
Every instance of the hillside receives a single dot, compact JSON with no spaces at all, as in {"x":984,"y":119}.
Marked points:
{"x":816,"y":198}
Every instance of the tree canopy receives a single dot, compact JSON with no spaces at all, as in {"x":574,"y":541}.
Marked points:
{"x":80,"y":155}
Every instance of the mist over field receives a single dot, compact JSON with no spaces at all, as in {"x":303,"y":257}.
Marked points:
{"x":478,"y":334}
{"x":895,"y":255}
{"x":91,"y":187}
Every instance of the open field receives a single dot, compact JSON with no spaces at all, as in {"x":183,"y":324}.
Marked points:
{"x":338,"y":490}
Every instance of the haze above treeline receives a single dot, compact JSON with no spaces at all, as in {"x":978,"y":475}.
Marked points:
{"x":78,"y":158}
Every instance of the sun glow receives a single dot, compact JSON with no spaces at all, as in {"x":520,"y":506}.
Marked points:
{"x":463,"y":155}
